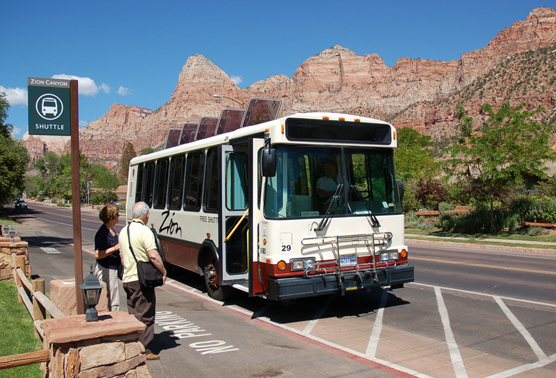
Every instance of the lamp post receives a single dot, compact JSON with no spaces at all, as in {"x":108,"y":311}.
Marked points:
{"x":91,"y":294}
{"x":88,"y":182}
{"x":12,"y":234}
{"x":229,"y":98}
{"x":6,"y":230}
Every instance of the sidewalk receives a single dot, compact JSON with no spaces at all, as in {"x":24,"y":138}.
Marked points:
{"x":448,"y":241}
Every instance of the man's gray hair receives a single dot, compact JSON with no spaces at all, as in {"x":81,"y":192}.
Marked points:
{"x":140,"y":210}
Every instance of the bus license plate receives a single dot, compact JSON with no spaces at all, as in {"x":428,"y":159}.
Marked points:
{"x":349,"y":260}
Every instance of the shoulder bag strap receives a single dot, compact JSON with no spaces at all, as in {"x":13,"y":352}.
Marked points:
{"x":129,"y":241}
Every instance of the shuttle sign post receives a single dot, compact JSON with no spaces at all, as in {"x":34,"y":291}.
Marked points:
{"x":49,"y":106}
{"x":54,"y":110}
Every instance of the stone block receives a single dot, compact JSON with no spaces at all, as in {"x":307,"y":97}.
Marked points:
{"x":56,"y":365}
{"x":73,"y":329}
{"x":119,"y":368}
{"x":62,"y":294}
{"x":72,"y":363}
{"x":102,"y":354}
{"x":142,"y":371}
{"x":132,"y":350}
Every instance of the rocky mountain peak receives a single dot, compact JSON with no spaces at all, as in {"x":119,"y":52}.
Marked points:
{"x":200,"y":69}
{"x":334,"y":51}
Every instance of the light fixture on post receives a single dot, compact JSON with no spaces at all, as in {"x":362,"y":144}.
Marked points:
{"x":229,"y":98}
{"x":88,"y":197}
{"x":91,"y":294}
{"x":12,"y":234}
{"x":5,"y":229}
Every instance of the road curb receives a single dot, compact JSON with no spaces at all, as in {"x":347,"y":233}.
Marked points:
{"x":504,"y":248}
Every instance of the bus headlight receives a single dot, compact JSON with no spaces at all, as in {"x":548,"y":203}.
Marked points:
{"x":302,"y":264}
{"x":389,"y":256}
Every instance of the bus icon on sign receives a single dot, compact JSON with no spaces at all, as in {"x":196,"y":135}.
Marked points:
{"x":49,"y":106}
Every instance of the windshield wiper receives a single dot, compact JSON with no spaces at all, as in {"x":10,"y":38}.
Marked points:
{"x":331,"y":209}
{"x":374,"y":219}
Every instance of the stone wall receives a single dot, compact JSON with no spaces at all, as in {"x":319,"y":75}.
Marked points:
{"x":107,"y":348}
{"x":6,"y":262}
{"x":107,"y":357}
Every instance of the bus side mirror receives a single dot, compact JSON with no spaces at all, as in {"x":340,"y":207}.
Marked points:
{"x":269,"y":162}
{"x":400,"y":188}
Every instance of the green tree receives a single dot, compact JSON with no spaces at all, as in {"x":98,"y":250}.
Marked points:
{"x":64,"y":178}
{"x":13,"y":158}
{"x":106,"y":181}
{"x":497,"y":155}
{"x":128,"y":154}
{"x":413,"y":157}
{"x":146,"y":150}
{"x":48,"y":168}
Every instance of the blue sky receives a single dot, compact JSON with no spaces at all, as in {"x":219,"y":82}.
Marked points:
{"x":131,"y":52}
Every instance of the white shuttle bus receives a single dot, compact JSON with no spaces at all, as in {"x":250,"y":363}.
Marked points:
{"x":299,"y":206}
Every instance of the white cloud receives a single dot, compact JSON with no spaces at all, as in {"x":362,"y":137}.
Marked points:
{"x":105,"y":88}
{"x":237,"y":79}
{"x":83,"y":123}
{"x":18,"y":131}
{"x":86,"y":85}
{"x":15,"y":96}
{"x":123,"y":91}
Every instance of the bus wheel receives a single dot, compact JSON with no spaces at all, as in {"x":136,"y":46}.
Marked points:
{"x":214,"y":290}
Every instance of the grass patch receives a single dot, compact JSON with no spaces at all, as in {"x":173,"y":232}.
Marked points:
{"x":6,"y":220}
{"x":17,"y":332}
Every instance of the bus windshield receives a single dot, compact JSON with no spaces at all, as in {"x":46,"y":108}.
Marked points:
{"x":310,"y":181}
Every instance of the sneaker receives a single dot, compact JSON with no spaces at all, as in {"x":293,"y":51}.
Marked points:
{"x":152,"y":356}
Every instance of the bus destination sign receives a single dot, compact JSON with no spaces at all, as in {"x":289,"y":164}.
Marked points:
{"x":49,"y":106}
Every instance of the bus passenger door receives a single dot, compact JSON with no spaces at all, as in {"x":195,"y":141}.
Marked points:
{"x":257,"y":279}
{"x":234,"y":219}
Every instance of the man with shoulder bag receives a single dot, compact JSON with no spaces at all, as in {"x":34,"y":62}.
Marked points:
{"x":143,"y":271}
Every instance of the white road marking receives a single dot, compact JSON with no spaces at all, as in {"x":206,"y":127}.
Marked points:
{"x":309,"y":327}
{"x":455,"y":355}
{"x":524,"y":368}
{"x":50,"y":250}
{"x":521,"y":328}
{"x":377,"y":327}
{"x":483,"y":294}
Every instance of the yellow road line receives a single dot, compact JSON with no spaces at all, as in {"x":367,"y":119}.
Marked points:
{"x":483,"y":266}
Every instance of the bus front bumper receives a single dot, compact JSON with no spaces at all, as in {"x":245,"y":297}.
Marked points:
{"x":299,"y":287}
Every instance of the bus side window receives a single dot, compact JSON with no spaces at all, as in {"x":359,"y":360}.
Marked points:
{"x":212,"y":182}
{"x":176,"y":181}
{"x":139,"y":184}
{"x":149,"y":183}
{"x":161,"y":180}
{"x":194,"y":181}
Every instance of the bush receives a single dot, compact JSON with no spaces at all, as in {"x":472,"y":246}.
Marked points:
{"x":472,"y":223}
{"x":512,"y":224}
{"x":447,"y":221}
{"x":443,"y":207}
{"x":533,"y":231}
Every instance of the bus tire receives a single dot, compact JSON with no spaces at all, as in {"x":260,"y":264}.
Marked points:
{"x":214,"y":290}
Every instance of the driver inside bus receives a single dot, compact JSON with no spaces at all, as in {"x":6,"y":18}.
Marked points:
{"x":327,"y":184}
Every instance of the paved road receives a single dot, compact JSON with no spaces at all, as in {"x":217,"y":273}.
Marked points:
{"x":471,"y":313}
